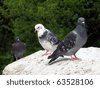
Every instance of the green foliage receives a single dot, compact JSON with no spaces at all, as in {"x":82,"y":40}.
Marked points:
{"x":5,"y":59}
{"x":6,"y":34}
{"x":18,"y":18}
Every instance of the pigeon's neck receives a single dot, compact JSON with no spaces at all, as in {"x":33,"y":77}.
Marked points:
{"x":81,"y":24}
{"x":18,"y":41}
{"x":41,"y":32}
{"x":80,"y":27}
{"x":81,"y":30}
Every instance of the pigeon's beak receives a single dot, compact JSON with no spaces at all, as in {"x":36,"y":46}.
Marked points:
{"x":35,"y":30}
{"x":83,"y":22}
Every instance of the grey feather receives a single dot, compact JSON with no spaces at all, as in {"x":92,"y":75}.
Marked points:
{"x":72,"y":42}
{"x":18,"y":49}
{"x":50,"y":37}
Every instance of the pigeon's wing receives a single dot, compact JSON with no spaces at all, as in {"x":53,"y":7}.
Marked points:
{"x":19,"y":46}
{"x":18,"y":49}
{"x":52,"y":38}
{"x":64,"y":46}
{"x":70,"y":40}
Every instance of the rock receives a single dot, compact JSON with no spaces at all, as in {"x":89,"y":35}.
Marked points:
{"x":36,"y":64}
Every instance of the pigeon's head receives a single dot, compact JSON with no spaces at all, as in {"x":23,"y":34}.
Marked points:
{"x":81,"y":21}
{"x":17,"y":39}
{"x":39,"y":27}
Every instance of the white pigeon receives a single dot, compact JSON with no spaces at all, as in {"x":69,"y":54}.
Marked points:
{"x":46,"y":38}
{"x":72,"y":42}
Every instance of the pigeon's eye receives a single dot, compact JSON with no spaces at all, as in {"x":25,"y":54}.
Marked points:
{"x":38,"y":27}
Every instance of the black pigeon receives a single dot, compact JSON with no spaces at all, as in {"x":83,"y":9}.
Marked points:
{"x":72,"y":42}
{"x":18,"y":49}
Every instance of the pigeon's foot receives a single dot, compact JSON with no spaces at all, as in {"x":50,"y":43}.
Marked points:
{"x":46,"y":53}
{"x":73,"y":57}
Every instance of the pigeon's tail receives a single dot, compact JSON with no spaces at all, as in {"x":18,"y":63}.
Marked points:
{"x":58,"y":52}
{"x":52,"y":58}
{"x":54,"y":55}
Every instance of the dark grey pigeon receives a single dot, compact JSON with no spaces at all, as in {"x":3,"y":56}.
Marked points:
{"x":46,"y":38}
{"x":18,"y":49}
{"x":72,"y":42}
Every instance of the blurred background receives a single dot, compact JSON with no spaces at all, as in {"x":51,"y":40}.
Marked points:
{"x":18,"y":18}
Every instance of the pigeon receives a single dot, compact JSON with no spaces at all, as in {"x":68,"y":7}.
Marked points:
{"x":18,"y":49}
{"x":47,"y":39}
{"x":72,"y":42}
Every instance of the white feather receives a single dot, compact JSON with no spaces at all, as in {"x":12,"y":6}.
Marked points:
{"x":45,"y":44}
